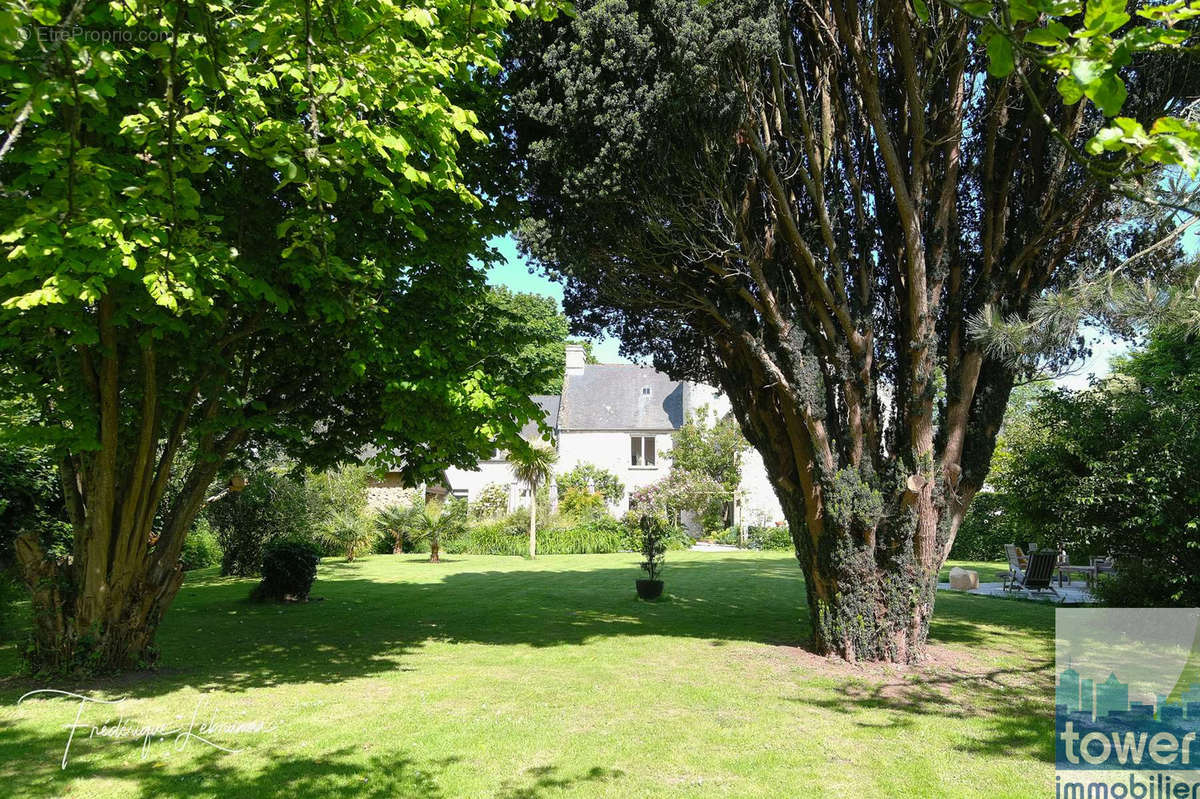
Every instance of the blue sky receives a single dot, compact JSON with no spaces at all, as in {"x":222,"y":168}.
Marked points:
{"x":515,"y":273}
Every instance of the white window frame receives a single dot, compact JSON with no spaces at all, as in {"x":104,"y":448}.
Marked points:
{"x":637,"y":457}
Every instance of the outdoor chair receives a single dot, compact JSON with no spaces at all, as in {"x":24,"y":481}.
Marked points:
{"x":1017,"y":562}
{"x":1039,"y":574}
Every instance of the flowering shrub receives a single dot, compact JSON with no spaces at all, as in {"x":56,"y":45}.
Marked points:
{"x":682,"y":491}
{"x":588,"y":478}
{"x":491,"y":503}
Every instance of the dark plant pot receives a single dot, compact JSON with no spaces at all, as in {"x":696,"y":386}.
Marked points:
{"x":649,"y":589}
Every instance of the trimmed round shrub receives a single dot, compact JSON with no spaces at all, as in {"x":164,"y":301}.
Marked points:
{"x":289,"y":567}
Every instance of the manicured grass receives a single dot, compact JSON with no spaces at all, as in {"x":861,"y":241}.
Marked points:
{"x":494,"y":676}
{"x":989,"y":571}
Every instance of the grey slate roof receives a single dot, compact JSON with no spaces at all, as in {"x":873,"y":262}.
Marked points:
{"x":549,"y":403}
{"x":609,"y":397}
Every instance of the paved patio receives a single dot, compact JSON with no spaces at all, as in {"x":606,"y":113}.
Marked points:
{"x":708,"y":546}
{"x":1075,"y":593}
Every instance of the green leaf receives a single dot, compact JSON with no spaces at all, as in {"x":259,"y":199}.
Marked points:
{"x":326,"y":191}
{"x":1108,"y":93}
{"x":1086,"y":71}
{"x":1052,"y":35}
{"x":921,"y":9}
{"x":1000,"y":55}
{"x":1070,"y":90}
{"x":1104,"y":16}
{"x":1105,"y":139}
{"x":1022,"y":11}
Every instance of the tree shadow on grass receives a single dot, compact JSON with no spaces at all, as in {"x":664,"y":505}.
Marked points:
{"x":546,"y":780}
{"x":214,"y":639}
{"x":1013,"y":704}
{"x":31,"y":765}
{"x":960,"y":618}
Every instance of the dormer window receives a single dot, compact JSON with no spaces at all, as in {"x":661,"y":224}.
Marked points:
{"x":645,"y":391}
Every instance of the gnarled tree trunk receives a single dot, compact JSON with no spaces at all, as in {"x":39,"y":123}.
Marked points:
{"x":870,"y":532}
{"x":99,"y":608}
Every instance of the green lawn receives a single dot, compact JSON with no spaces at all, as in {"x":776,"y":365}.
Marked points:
{"x":493,"y":676}
{"x":989,"y":571}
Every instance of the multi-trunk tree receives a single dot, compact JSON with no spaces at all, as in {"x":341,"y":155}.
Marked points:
{"x":240,"y":227}
{"x":811,"y":203}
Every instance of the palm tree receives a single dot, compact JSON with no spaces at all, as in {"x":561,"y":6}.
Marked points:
{"x":350,"y":530}
{"x":533,"y":466}
{"x":394,"y":520}
{"x":436,"y":520}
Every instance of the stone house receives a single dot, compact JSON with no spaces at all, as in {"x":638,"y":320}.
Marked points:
{"x":620,"y":417}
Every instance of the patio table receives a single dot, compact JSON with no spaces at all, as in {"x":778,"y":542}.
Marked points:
{"x":1089,"y":572}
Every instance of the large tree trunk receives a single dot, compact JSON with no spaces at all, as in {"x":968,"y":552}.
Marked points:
{"x":99,"y":609}
{"x":870,"y":533}
{"x":109,"y":629}
{"x":868,"y":599}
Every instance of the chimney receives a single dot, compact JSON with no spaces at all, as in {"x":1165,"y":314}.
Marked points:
{"x":575,"y":359}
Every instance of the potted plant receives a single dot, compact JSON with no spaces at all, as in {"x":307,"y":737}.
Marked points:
{"x":654,"y":548}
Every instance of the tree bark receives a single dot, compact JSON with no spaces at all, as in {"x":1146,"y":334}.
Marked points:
{"x":870,"y":603}
{"x":99,"y":610}
{"x":111,"y":630}
{"x":532,"y":521}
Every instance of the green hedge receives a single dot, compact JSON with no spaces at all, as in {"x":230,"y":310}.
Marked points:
{"x":595,"y":536}
{"x":987,"y":527}
{"x":772,"y":537}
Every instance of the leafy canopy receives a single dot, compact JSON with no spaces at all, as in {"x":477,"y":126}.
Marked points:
{"x":1116,"y":469}
{"x":537,"y":321}
{"x":258,"y":226}
{"x":1087,"y":46}
{"x":710,"y":445}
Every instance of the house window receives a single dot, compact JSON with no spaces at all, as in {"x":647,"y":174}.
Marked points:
{"x":645,"y":391}
{"x":641,"y":451}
